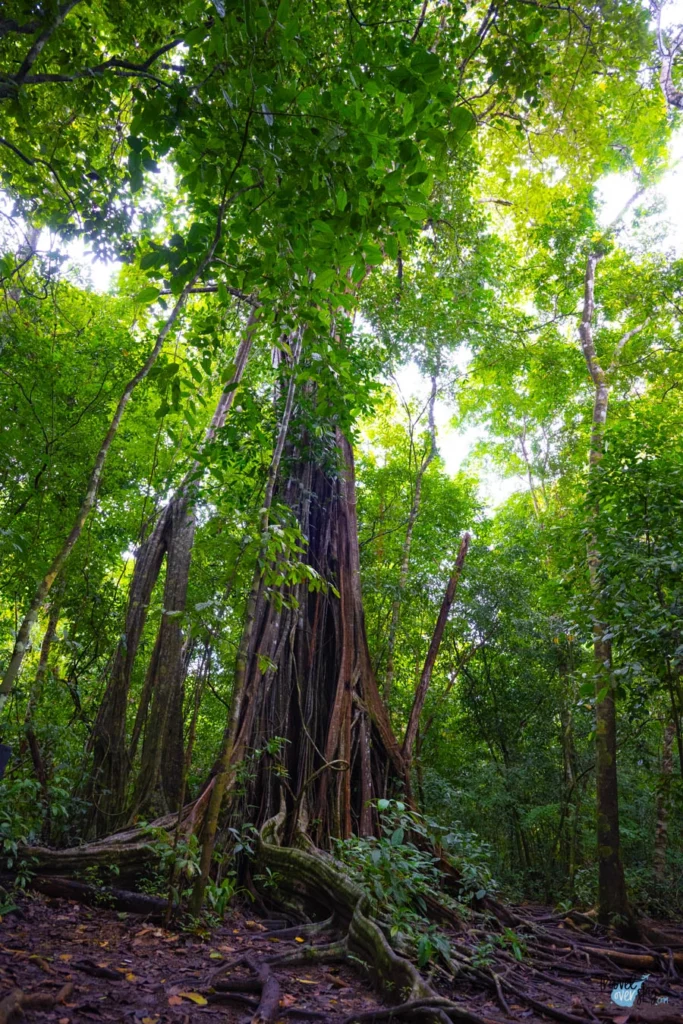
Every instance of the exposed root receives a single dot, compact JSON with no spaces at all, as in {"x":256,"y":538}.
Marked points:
{"x":309,"y":930}
{"x":332,"y":953}
{"x":269,"y":1003}
{"x":318,"y":879}
{"x":319,"y":882}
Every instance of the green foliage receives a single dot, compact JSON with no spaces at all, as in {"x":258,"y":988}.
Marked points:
{"x":399,"y":872}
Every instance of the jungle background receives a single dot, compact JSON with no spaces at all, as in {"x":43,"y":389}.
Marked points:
{"x":250,"y":251}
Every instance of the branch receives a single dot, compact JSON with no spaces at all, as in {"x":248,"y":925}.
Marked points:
{"x":17,"y":152}
{"x":420,"y":22}
{"x":672,"y":95}
{"x":43,"y":38}
{"x":586,"y":325}
{"x":211,"y":289}
{"x":121,"y":68}
{"x":623,"y":341}
{"x":10,"y":25}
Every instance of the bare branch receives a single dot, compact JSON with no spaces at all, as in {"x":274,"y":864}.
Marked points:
{"x":623,"y":341}
{"x":43,"y":38}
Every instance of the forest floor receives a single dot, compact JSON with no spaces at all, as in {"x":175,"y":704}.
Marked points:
{"x":102,"y":966}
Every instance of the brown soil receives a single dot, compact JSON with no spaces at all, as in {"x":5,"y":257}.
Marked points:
{"x":57,"y":941}
{"x":106,"y":966}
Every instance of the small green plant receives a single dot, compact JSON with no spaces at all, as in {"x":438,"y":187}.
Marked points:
{"x":219,"y":895}
{"x":400,"y":877}
{"x":176,"y":867}
{"x":483,"y":954}
{"x":270,"y":880}
{"x":509,"y":939}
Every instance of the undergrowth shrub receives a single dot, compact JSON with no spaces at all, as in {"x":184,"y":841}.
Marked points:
{"x":399,"y":873}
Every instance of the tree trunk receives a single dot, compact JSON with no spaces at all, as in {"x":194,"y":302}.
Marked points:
{"x":612,"y":897}
{"x":663,"y":804}
{"x":157,"y":789}
{"x":39,"y":763}
{"x":308,"y":700}
{"x":108,"y":783}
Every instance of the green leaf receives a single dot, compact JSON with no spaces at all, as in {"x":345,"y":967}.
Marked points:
{"x":463,"y":120}
{"x":147,"y":295}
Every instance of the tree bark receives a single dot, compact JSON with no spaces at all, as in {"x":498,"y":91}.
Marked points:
{"x":612,"y":896}
{"x":663,"y":804}
{"x":225,"y":763}
{"x":316,"y":695}
{"x":164,"y":725}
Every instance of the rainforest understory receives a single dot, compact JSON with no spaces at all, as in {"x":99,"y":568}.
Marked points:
{"x":341,"y":463}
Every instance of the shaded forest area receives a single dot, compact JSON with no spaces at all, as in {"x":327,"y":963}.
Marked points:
{"x":272,"y":669}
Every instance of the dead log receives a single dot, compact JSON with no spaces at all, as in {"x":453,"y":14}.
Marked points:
{"x":105,"y":896}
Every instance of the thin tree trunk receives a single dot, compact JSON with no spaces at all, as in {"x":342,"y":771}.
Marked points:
{"x":426,"y":677}
{"x":202,"y":677}
{"x":663,"y":804}
{"x":530,"y":478}
{"x":407,"y":544}
{"x":612,"y":897}
{"x":39,"y":765}
{"x":675,"y":711}
{"x":452,"y":679}
{"x":22,"y":641}
{"x":149,"y":797}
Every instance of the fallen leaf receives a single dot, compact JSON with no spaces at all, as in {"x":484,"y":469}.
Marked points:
{"x":174,"y":1001}
{"x":150,"y":1020}
{"x":306,"y":981}
{"x":131,"y":977}
{"x":215,"y":956}
{"x":287,"y":1000}
{"x":297,"y":938}
{"x":195,"y":997}
{"x":63,"y":1020}
{"x":65,"y":956}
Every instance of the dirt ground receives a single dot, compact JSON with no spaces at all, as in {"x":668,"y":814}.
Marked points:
{"x":105,"y":966}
